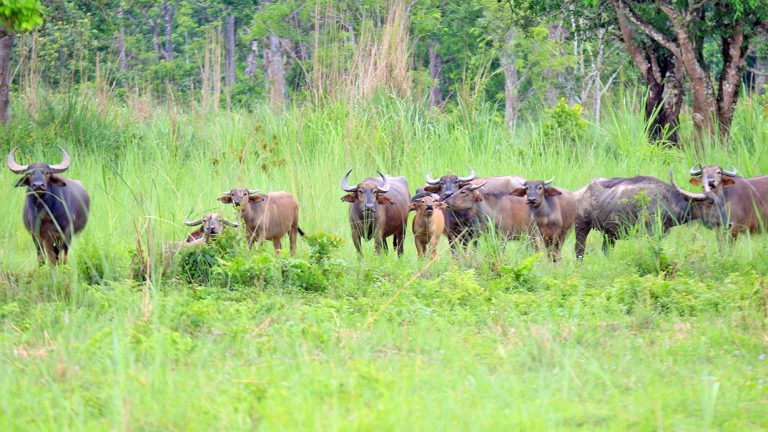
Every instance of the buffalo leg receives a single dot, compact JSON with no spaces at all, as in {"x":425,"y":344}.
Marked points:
{"x":277,"y":242}
{"x":50,"y":250}
{"x":40,"y":250}
{"x":292,"y":238}
{"x":398,"y":242}
{"x":609,"y":241}
{"x":419,"y":246}
{"x":582,"y":232}
{"x":356,"y":242}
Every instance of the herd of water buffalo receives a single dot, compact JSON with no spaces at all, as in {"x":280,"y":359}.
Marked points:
{"x":461,"y":208}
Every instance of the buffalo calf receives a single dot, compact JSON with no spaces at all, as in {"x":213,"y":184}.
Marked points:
{"x":428,"y":224}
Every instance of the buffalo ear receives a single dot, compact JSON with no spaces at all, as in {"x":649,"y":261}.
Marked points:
{"x":256,"y":198}
{"x":348,"y":198}
{"x":23,"y":181}
{"x":727,"y":181}
{"x":696,"y":181}
{"x":433,"y":188}
{"x":519,"y":192}
{"x":412,"y":206}
{"x":550,"y":191}
{"x":440,"y":205}
{"x":57,"y":180}
{"x":383,"y":199}
{"x":226,"y":199}
{"x":477,"y":196}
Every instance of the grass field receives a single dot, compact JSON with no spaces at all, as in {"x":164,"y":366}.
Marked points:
{"x":669,"y":334}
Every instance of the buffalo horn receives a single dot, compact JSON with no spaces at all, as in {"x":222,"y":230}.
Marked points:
{"x":430,"y":180}
{"x":476,"y":187}
{"x":15,"y":168}
{"x":230,"y":223}
{"x":345,"y":185}
{"x":384,"y":188}
{"x":193,"y":223}
{"x":696,"y":170}
{"x":470,"y":177}
{"x":731,"y":173}
{"x":61,"y":167}
{"x":691,"y":195}
{"x":253,"y":191}
{"x":548,"y":182}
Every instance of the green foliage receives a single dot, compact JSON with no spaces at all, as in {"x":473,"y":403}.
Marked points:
{"x":564,"y":121}
{"x":322,"y":247}
{"x":259,"y":270}
{"x":21,"y":15}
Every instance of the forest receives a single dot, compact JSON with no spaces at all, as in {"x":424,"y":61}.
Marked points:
{"x":169,"y":111}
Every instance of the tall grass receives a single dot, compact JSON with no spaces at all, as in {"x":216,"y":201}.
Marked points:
{"x":657,"y":335}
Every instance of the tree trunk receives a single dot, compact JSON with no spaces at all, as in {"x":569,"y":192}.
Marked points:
{"x":6,"y":49}
{"x":273,"y":62}
{"x":168,"y":13}
{"x":511,"y":83}
{"x":557,"y":35}
{"x":229,"y":51}
{"x":156,"y":39}
{"x":122,"y":63}
{"x":730,"y":78}
{"x":435,"y":69}
{"x":250,"y":61}
{"x":761,"y":77}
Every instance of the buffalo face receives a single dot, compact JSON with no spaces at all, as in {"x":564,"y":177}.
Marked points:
{"x":465,"y":198}
{"x":367,"y":195}
{"x":448,"y":185}
{"x":39,"y":176}
{"x":426,"y":205}
{"x":240,"y":196}
{"x":213,"y":224}
{"x":536,"y":191}
{"x":707,"y":206}
{"x":711,"y":177}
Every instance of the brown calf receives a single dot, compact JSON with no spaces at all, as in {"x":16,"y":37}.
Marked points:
{"x":429,"y":223}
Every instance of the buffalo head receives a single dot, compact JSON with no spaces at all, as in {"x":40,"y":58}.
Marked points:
{"x":448,"y":184}
{"x":426,"y":205}
{"x":367,"y":194}
{"x":706,"y":206}
{"x":39,"y":176}
{"x":536,"y":191}
{"x":240,"y":196}
{"x":213,"y":224}
{"x":711,"y":177}
{"x":465,"y":198}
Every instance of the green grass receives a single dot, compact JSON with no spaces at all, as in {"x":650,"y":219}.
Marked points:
{"x":669,"y":335}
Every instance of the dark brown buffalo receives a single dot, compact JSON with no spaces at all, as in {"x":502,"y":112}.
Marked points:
{"x":211,"y":225}
{"x":746,"y":199}
{"x":484,"y":206}
{"x":428,"y":224}
{"x":56,"y":208}
{"x":465,"y":222}
{"x":266,"y":216}
{"x":378,"y":208}
{"x":615,"y":205}
{"x":553,"y":212}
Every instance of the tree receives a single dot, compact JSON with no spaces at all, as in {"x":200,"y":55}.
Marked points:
{"x":682,"y":27}
{"x":15,"y":16}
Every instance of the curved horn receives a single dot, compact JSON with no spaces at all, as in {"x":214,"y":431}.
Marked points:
{"x":476,"y":187}
{"x":385,"y":187}
{"x":345,"y":185}
{"x":253,"y":191}
{"x":548,"y":182}
{"x":14,"y":167}
{"x":193,"y":223}
{"x":691,"y":195}
{"x":695,"y":169}
{"x":471,"y":175}
{"x":227,"y":193}
{"x":430,"y":180}
{"x":731,"y":173}
{"x":61,"y":167}
{"x":230,"y":223}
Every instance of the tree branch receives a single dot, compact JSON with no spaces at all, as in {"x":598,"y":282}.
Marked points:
{"x":648,"y":29}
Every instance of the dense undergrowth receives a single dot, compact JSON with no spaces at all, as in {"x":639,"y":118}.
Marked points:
{"x":664,"y":333}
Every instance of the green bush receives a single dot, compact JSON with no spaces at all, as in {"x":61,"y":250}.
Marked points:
{"x":564,"y":121}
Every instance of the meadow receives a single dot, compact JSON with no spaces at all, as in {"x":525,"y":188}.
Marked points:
{"x":665,"y":333}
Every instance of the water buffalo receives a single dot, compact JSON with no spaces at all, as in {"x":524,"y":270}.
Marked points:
{"x":465,"y":222}
{"x":378,"y":208}
{"x":553,"y":212}
{"x":428,"y":224}
{"x":212,"y":225}
{"x":746,"y":199}
{"x":55,"y":209}
{"x":616,"y":204}
{"x":266,"y":216}
{"x":481,"y":205}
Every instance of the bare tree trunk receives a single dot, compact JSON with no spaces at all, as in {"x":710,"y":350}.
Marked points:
{"x":156,"y":39}
{"x":229,"y":51}
{"x":761,"y":77}
{"x":168,"y":13}
{"x":250,"y":61}
{"x":273,"y":62}
{"x":435,"y":69}
{"x":511,"y":82}
{"x":6,"y":49}
{"x":557,"y":35}
{"x":730,"y":78}
{"x":122,"y":63}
